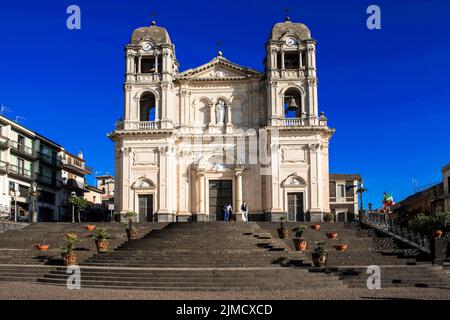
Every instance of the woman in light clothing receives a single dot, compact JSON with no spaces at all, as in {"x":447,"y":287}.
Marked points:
{"x":244,"y":210}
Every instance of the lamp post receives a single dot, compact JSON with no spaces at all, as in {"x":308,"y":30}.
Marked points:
{"x":33,"y":195}
{"x":73,"y":196}
{"x":14,"y":194}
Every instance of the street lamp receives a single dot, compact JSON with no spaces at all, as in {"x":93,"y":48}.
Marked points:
{"x":14,"y":194}
{"x":73,"y":196}
{"x":33,"y":194}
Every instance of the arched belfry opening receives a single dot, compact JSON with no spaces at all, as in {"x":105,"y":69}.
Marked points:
{"x":147,"y":107}
{"x":292,"y":103}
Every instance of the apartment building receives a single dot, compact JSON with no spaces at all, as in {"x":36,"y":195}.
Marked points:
{"x":31,"y":162}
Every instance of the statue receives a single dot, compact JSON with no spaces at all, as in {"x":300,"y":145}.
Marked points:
{"x":220,"y":112}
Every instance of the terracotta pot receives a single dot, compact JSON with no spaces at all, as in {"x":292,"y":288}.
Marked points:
{"x":341,"y":247}
{"x":438,"y":234}
{"x":89,"y":227}
{"x":319,"y":260}
{"x":132,"y":235}
{"x":300,"y":244}
{"x":332,"y":235}
{"x":102,"y":245}
{"x":42,"y":247}
{"x":315,"y":227}
{"x":70,"y":259}
{"x":283,"y":233}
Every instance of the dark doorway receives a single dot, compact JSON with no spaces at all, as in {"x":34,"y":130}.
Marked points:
{"x":146,"y":208}
{"x":220,"y":194}
{"x":295,"y":207}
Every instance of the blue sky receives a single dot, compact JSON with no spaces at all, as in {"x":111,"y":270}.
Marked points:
{"x":385,"y":91}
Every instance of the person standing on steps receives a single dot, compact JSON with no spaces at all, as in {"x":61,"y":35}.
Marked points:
{"x":225,"y":213}
{"x":229,"y":212}
{"x":244,"y":210}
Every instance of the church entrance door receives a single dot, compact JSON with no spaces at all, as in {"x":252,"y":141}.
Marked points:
{"x":220,"y":194}
{"x":295,"y":207}
{"x":146,"y":208}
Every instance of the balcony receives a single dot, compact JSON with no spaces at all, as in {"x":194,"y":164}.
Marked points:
{"x":20,"y":172}
{"x":73,"y":184}
{"x":293,"y":122}
{"x":50,"y":160}
{"x":48,"y":181}
{"x":22,"y":149}
{"x":4,"y":167}
{"x":4,"y":142}
{"x":137,"y":125}
{"x":304,"y":121}
{"x":77,"y":166}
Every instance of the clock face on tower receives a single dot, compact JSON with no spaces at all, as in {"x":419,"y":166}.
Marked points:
{"x":147,"y":46}
{"x":291,"y":42}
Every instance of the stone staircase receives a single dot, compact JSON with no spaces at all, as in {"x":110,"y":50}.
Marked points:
{"x":217,"y":256}
{"x":16,"y":246}
{"x":199,"y":256}
{"x":401,"y":265}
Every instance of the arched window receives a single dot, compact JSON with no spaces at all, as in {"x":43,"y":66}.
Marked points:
{"x":147,"y":107}
{"x":292,"y":103}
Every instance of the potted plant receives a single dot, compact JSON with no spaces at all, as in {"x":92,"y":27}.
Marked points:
{"x":101,"y":237}
{"x":90,"y":227}
{"x":69,"y":257}
{"x":43,"y":246}
{"x":319,"y":255}
{"x":130,"y":228}
{"x":299,"y":242}
{"x":299,"y":230}
{"x":332,"y":235}
{"x":329,"y":217}
{"x":341,"y":247}
{"x":283,"y":232}
{"x":315,"y":227}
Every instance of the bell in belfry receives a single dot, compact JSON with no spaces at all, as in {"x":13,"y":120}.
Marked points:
{"x":292,"y":105}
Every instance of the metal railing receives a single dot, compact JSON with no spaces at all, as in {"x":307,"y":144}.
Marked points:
{"x":21,"y":148}
{"x":50,"y":160}
{"x":20,"y":171}
{"x":382,"y":221}
{"x":3,"y":166}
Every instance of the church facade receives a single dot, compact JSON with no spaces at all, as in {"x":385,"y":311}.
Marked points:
{"x":193,"y":141}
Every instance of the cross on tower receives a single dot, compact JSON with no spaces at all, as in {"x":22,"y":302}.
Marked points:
{"x":219,"y":45}
{"x":153,"y":15}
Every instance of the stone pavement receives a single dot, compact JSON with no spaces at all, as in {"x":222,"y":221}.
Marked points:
{"x":27,"y":291}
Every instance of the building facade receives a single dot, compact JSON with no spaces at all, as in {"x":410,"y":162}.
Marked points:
{"x":428,"y":200}
{"x":37,"y":174}
{"x":190,"y":142}
{"x":344,"y":197}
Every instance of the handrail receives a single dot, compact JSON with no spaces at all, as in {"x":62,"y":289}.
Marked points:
{"x":382,"y":222}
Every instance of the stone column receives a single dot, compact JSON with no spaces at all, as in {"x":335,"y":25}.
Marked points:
{"x":212,"y":114}
{"x":229,"y":125}
{"x":202,"y":193}
{"x":239,"y":199}
{"x":316,"y":210}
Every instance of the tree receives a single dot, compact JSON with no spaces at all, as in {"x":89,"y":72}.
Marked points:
{"x":79,"y":203}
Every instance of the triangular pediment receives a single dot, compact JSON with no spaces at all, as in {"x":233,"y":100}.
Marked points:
{"x":219,"y":69}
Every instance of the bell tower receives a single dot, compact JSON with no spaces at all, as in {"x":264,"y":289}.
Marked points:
{"x":290,"y":67}
{"x":150,"y":69}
